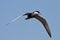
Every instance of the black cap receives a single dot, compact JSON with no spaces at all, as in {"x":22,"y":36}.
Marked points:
{"x":37,"y":11}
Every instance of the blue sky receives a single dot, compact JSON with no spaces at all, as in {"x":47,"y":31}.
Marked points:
{"x":31,"y":29}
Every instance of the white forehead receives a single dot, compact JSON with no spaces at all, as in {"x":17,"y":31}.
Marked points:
{"x":36,"y":13}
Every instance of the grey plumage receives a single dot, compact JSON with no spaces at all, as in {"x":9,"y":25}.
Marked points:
{"x":41,"y":19}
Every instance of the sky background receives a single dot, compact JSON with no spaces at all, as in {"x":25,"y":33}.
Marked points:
{"x":31,"y":29}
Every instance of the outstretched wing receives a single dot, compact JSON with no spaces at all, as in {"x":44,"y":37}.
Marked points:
{"x":43,"y":21}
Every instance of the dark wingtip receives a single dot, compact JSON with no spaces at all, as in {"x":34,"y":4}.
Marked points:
{"x":50,"y":35}
{"x":26,"y":18}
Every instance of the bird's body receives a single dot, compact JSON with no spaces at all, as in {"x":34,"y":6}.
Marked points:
{"x":35,"y":14}
{"x":29,"y":15}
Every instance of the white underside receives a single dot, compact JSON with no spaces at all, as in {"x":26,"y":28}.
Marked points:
{"x":36,"y":13}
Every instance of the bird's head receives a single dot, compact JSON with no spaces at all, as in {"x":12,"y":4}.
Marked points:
{"x":35,"y":13}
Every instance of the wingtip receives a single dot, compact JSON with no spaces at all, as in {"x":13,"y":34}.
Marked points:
{"x":50,"y":36}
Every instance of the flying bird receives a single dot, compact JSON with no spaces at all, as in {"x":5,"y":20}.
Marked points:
{"x":36,"y":15}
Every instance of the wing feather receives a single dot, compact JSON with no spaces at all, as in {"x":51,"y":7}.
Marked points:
{"x":43,"y":21}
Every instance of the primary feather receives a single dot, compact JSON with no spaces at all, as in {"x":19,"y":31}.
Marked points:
{"x":43,"y":21}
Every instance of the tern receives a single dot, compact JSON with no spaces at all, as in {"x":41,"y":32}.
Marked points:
{"x":36,"y":15}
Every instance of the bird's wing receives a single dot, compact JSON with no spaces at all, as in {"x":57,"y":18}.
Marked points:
{"x":43,"y":21}
{"x":26,"y":14}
